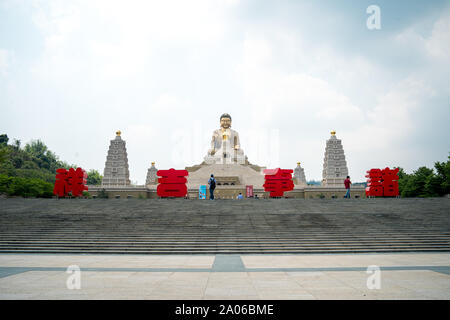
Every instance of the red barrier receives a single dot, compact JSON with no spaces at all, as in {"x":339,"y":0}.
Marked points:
{"x":278,"y":181}
{"x":172,"y":183}
{"x":70,"y":181}
{"x":382,"y":183}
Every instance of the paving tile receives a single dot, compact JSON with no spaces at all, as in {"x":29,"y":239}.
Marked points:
{"x":277,"y":284}
{"x":283,"y":296}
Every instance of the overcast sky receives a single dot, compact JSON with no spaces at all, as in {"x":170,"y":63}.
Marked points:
{"x":288,"y":72}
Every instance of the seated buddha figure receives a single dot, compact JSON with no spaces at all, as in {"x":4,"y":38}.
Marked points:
{"x":225,"y":145}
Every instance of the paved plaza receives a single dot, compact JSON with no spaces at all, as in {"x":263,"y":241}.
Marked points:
{"x":225,"y":250}
{"x":224,"y":277}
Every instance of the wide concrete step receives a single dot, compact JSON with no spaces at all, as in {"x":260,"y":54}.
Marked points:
{"x":228,"y":251}
{"x":228,"y":247}
{"x":196,"y":241}
{"x":243,"y":233}
{"x":196,"y":227}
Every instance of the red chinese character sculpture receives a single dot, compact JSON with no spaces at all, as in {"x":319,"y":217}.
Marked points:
{"x":70,"y":181}
{"x":382,"y":183}
{"x":278,"y":181}
{"x":374,"y":186}
{"x":172,"y":183}
{"x":390,"y":182}
{"x":77,"y":181}
{"x":61,"y":188}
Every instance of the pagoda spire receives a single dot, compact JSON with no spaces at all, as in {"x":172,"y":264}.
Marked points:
{"x":152,"y":178}
{"x":299,"y":175}
{"x":116,"y":171}
{"x":334,"y":165}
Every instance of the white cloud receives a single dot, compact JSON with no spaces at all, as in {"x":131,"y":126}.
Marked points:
{"x":273,"y":91}
{"x":116,"y":38}
{"x":435,"y":46}
{"x":172,"y":20}
{"x":303,"y":107}
{"x":385,"y":139}
{"x":6,"y":59}
{"x":164,"y":71}
{"x":438,"y":45}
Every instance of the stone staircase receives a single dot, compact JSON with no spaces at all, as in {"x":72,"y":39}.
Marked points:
{"x":179,"y":226}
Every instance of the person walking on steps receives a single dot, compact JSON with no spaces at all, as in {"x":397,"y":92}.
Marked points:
{"x":347,"y":184}
{"x":212,"y":186}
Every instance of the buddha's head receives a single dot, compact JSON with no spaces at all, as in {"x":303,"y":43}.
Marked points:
{"x":225,"y":121}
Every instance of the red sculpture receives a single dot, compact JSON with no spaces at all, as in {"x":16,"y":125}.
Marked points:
{"x":278,"y":181}
{"x":390,"y":182}
{"x":70,"y":181}
{"x":61,"y":188}
{"x":382,"y":183}
{"x":172,"y":183}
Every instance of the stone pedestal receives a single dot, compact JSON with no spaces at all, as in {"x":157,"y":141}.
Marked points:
{"x":227,"y":176}
{"x":116,"y":171}
{"x":334,"y":165}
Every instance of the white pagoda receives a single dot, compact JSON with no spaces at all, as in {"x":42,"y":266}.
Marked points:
{"x":299,"y":175}
{"x":334,"y":165}
{"x":116,"y":171}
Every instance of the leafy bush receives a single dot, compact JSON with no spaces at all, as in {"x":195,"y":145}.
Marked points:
{"x":87,"y":195}
{"x":18,"y":186}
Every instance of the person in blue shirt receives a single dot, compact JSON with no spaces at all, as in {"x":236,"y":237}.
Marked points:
{"x":212,"y":186}
{"x":240,"y":196}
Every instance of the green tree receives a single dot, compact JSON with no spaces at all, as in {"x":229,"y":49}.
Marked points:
{"x":420,"y":177}
{"x":36,"y":148}
{"x":16,"y":144}
{"x":403,"y":179}
{"x":443,"y":176}
{"x":66,"y":165}
{"x":94,"y":178}
{"x":4,"y":139}
{"x":28,"y":172}
{"x":3,"y":154}
{"x":5,"y":183}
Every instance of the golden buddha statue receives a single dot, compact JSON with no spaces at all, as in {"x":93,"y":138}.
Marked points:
{"x":225,"y":145}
